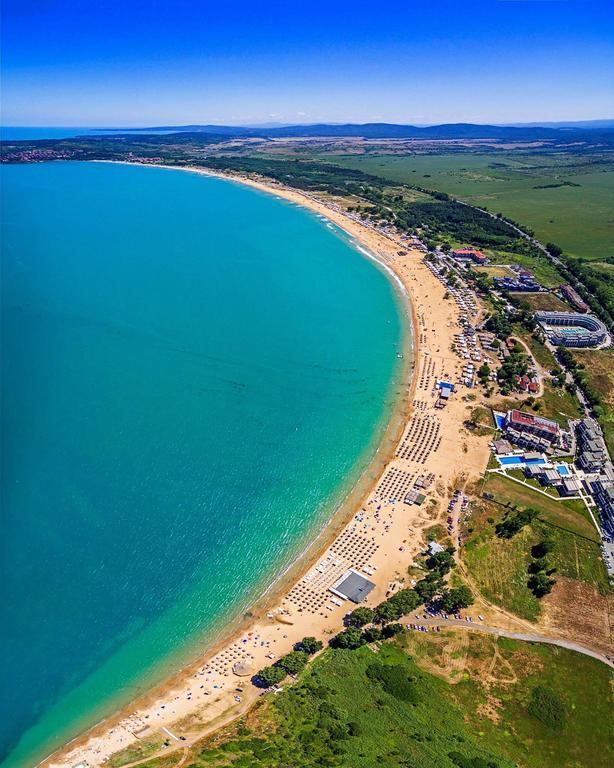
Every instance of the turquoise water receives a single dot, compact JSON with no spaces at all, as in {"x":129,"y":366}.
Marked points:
{"x":191,"y":371}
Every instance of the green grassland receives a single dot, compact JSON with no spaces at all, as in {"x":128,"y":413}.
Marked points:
{"x":496,"y":697}
{"x":543,"y":301}
{"x":499,"y":566}
{"x":382,"y":709}
{"x":578,"y":218}
{"x":599,"y":370}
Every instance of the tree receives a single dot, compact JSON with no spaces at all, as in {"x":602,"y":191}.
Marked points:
{"x":484,"y":372}
{"x":512,"y":524}
{"x":554,"y":250}
{"x":540,"y":584}
{"x":349,"y":638}
{"x":387,"y":611}
{"x":542,"y":549}
{"x":429,"y":587}
{"x":360,"y":616}
{"x":499,"y":325}
{"x":269,"y":676}
{"x":372,"y":634}
{"x":442,"y":562}
{"x":406,"y":600}
{"x":294,"y":662}
{"x":453,"y":600}
{"x":310,"y":645}
{"x":390,"y":630}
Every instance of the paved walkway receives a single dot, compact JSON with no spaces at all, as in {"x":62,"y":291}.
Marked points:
{"x":527,"y":637}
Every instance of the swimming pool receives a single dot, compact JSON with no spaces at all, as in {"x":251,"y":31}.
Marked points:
{"x":563,"y":470}
{"x":508,"y":461}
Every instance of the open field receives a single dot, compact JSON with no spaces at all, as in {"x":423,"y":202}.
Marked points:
{"x":426,"y":701}
{"x":540,"y":351}
{"x":599,"y":370}
{"x":495,"y":681}
{"x":495,"y":270}
{"x":568,"y":200}
{"x":499,"y":566}
{"x":546,"y":302}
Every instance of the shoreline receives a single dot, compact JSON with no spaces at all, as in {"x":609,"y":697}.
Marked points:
{"x":342,"y":509}
{"x":365,"y":241}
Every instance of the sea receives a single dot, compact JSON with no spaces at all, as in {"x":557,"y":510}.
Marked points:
{"x":194,"y":373}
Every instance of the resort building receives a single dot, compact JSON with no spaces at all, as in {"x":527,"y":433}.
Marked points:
{"x":592,"y":452}
{"x":603,"y":493}
{"x":530,"y":431}
{"x":523,"y":283}
{"x":469,"y":254}
{"x":572,"y":329}
{"x":574,"y":298}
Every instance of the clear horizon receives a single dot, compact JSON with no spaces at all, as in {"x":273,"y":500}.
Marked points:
{"x":118,"y":126}
{"x":113,"y":63}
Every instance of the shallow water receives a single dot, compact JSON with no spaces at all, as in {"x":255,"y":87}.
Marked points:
{"x":192,"y":374}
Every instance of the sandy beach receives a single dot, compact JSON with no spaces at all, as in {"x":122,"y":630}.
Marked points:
{"x":425,"y":448}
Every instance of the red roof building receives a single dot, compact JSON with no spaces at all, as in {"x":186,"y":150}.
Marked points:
{"x":469,"y":253}
{"x":574,"y":298}
{"x":536,"y":425}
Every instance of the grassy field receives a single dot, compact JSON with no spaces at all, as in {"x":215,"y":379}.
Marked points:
{"x":496,"y":679}
{"x":546,"y":302}
{"x":499,"y":566}
{"x":496,"y":270}
{"x":398,"y":707}
{"x":599,"y":368}
{"x":578,"y":218}
{"x":540,"y":351}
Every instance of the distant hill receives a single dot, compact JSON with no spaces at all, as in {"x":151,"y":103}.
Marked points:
{"x":446,"y":131}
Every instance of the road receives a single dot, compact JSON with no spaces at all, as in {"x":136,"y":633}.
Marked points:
{"x":524,"y":636}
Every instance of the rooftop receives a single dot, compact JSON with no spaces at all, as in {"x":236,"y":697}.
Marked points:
{"x":352,"y":586}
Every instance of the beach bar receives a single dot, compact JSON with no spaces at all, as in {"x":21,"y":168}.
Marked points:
{"x":352,"y":586}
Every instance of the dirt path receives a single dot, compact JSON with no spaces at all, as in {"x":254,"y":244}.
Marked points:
{"x":524,"y":636}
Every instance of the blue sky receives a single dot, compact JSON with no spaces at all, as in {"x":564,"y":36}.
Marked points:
{"x":148,"y":62}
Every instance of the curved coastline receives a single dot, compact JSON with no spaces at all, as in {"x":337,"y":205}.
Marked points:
{"x":315,"y":542}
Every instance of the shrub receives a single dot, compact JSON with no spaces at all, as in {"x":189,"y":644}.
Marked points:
{"x":470,"y":762}
{"x":394,"y":680}
{"x":548,"y":707}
